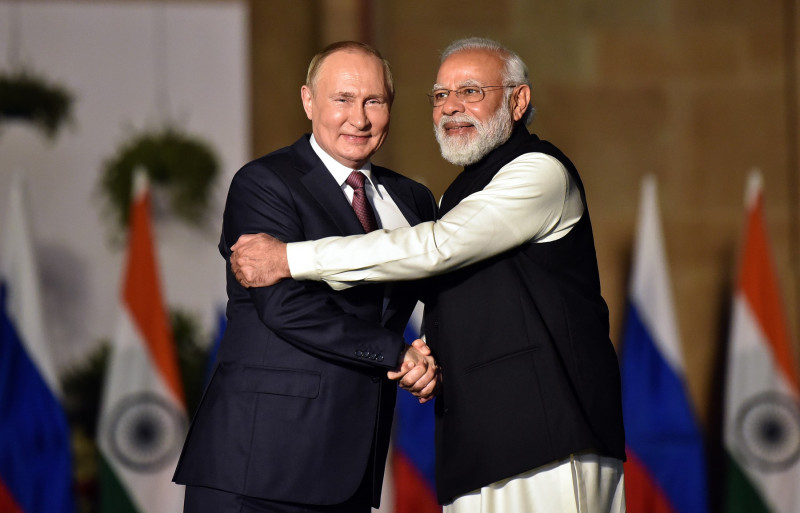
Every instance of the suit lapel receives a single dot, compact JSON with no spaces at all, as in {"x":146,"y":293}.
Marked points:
{"x":400,"y":193}
{"x":321,"y":184}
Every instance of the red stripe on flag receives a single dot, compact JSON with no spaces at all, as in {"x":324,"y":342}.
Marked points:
{"x":759,"y":284}
{"x":7,"y":502}
{"x":642,"y":493}
{"x":411,"y":493}
{"x":143,"y":299}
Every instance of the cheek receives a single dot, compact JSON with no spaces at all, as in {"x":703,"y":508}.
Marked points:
{"x":380,"y":120}
{"x":479,"y":113}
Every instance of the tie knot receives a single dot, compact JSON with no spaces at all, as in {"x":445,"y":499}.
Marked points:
{"x":356,"y":180}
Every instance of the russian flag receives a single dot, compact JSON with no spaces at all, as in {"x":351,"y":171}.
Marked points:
{"x":666,"y":469}
{"x":35,"y":460}
{"x":412,"y":458}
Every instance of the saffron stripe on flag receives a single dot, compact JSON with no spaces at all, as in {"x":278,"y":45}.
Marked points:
{"x":666,"y":470}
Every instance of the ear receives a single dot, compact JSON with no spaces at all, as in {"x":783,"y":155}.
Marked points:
{"x":520,"y":99}
{"x":305,"y":96}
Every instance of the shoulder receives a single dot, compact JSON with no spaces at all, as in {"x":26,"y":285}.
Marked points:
{"x":278,"y":164}
{"x":413,"y":193}
{"x":394,"y":179}
{"x":536,"y":167}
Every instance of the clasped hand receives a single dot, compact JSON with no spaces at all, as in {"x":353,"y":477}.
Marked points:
{"x":418,"y":372}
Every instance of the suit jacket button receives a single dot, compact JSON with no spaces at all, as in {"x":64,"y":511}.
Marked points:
{"x":380,"y":357}
{"x":358,"y":354}
{"x":375,"y":379}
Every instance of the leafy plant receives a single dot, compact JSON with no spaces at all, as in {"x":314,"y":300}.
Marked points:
{"x":24,"y":95}
{"x":182,"y":165}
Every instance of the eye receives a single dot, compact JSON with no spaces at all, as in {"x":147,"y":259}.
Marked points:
{"x":440,"y":94}
{"x":470,"y":91}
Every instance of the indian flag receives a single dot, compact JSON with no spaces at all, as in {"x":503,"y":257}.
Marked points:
{"x":762,"y":419}
{"x":143,"y":414}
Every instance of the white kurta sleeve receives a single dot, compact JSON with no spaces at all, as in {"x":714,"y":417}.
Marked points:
{"x":532,"y":198}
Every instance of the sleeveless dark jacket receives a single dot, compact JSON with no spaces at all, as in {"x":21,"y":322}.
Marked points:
{"x":530,"y":374}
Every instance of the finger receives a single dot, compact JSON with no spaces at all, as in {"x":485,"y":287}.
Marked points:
{"x":412,"y":377}
{"x":404,"y":368}
{"x":424,"y":381}
{"x":430,"y":389}
{"x":417,"y":379}
{"x":242,"y":280}
{"x":422,"y":347}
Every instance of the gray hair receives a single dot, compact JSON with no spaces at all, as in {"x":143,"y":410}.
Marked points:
{"x":515,"y":72}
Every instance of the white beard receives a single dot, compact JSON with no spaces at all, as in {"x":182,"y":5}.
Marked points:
{"x":463,"y":150}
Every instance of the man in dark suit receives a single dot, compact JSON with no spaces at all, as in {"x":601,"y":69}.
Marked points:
{"x":297,"y":414}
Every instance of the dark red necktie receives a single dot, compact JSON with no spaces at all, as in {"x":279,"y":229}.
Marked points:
{"x":360,"y":203}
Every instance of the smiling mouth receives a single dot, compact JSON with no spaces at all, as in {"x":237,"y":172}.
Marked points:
{"x":457,"y":128}
{"x":356,"y":138}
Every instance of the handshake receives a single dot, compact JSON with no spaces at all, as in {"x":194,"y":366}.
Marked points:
{"x":418,"y":372}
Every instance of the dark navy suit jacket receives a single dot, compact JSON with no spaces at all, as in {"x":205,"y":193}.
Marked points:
{"x":299,"y":407}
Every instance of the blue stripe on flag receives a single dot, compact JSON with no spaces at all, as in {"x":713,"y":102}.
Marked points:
{"x":659,"y":422}
{"x":414,"y":427}
{"x":222,"y":323}
{"x":35,"y":461}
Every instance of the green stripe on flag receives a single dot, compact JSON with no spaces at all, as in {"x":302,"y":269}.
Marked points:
{"x":113,"y":496}
{"x":741,"y":496}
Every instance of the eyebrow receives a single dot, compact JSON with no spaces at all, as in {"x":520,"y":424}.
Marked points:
{"x":470,"y":82}
{"x":351,"y":95}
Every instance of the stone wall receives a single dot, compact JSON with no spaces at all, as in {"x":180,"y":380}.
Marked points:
{"x":696,"y":92}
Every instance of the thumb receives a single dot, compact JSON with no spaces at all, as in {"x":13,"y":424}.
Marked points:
{"x":422,"y":347}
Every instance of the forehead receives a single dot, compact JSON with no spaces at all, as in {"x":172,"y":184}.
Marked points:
{"x":351,"y":67}
{"x":482,"y":66}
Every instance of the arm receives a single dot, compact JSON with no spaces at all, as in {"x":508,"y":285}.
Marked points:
{"x":530,"y":199}
{"x":303,"y":314}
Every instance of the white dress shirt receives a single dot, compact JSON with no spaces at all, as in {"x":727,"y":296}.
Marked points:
{"x":386,"y":212}
{"x":530,"y":199}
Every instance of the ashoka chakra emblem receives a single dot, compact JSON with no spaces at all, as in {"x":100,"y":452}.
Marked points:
{"x":768,"y":431}
{"x":146,"y":432}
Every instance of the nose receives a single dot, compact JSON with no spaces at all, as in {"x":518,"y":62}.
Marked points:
{"x":452,"y":104}
{"x":358,"y":117}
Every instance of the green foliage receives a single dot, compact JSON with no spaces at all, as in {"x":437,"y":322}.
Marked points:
{"x":24,"y":95}
{"x":184,"y":166}
{"x":83,"y":384}
{"x":83,"y":388}
{"x":192,"y":357}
